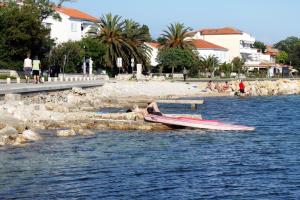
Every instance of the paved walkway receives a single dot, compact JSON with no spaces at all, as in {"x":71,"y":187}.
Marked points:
{"x":15,"y":88}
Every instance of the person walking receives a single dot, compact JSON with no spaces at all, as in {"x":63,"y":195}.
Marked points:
{"x":27,"y":68}
{"x":36,"y":66}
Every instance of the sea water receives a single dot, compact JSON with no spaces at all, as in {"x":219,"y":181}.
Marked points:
{"x":179,"y":164}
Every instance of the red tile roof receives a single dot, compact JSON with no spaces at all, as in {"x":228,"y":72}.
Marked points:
{"x":202,"y":44}
{"x":270,"y":50}
{"x":74,"y":13}
{"x":153,"y":44}
{"x":221,"y":31}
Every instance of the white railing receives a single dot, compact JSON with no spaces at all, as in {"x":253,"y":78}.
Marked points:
{"x":248,"y":50}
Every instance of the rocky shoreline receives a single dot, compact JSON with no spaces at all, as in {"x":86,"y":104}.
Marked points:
{"x":73,"y":112}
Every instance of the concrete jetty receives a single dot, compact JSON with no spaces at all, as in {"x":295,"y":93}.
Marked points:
{"x":193,"y":103}
{"x":21,"y":88}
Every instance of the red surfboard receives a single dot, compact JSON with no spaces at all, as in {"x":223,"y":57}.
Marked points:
{"x":197,"y":123}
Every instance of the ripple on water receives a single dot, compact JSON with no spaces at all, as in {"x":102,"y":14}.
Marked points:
{"x":185,"y":164}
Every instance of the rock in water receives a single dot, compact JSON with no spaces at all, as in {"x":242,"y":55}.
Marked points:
{"x":66,"y":133}
{"x":31,"y":136}
{"x":8,"y":130}
{"x":8,"y":135}
{"x":86,"y":132}
{"x":20,"y":140}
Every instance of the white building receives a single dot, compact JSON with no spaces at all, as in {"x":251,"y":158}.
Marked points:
{"x":206,"y":49}
{"x":73,"y":25}
{"x":203,"y":48}
{"x":154,"y":52}
{"x":238,"y":43}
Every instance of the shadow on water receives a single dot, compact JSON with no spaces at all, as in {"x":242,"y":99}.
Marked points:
{"x":180,"y":164}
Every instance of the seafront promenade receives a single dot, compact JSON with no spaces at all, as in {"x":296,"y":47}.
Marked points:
{"x":20,"y":88}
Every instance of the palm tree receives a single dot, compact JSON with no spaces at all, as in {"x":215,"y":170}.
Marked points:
{"x":226,"y":68}
{"x":136,"y":36}
{"x":176,"y":36}
{"x":109,"y":32}
{"x":209,"y":64}
{"x":123,"y":38}
{"x":238,"y":65}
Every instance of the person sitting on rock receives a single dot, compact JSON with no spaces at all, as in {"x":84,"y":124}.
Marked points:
{"x":30,"y":135}
{"x":139,"y":111}
{"x":218,"y":87}
{"x":209,"y":87}
{"x":225,"y":87}
{"x":151,"y":109}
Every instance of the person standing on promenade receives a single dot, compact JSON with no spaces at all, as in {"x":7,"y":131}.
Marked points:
{"x":27,"y":68}
{"x":184,"y":74}
{"x":36,"y":66}
{"x":242,"y":87}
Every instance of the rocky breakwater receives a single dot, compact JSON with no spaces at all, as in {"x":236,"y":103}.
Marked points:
{"x":77,"y":100}
{"x":68,"y":113}
{"x":269,"y":87}
{"x":15,"y":132}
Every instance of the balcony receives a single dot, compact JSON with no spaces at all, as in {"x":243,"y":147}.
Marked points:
{"x":248,"y":50}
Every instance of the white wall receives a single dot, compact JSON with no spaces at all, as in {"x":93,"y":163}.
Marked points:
{"x":59,"y":29}
{"x":230,"y":42}
{"x":153,"y":55}
{"x":235,"y":43}
{"x":67,"y":29}
{"x":221,"y":55}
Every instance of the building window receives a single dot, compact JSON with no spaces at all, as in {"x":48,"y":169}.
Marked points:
{"x":73,"y":27}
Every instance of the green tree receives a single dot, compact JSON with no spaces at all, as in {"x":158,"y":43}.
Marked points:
{"x":226,"y":68}
{"x":282,"y":57}
{"x":136,"y":35}
{"x":61,"y":2}
{"x":291,"y":46}
{"x":21,"y":32}
{"x":287,"y":44}
{"x":94,"y":49}
{"x":46,"y":8}
{"x":295,"y":56}
{"x":176,"y":36}
{"x":238,"y":65}
{"x":67,"y":57}
{"x":260,"y":46}
{"x":146,"y":31}
{"x":176,"y":58}
{"x":161,"y":40}
{"x":209,"y":64}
